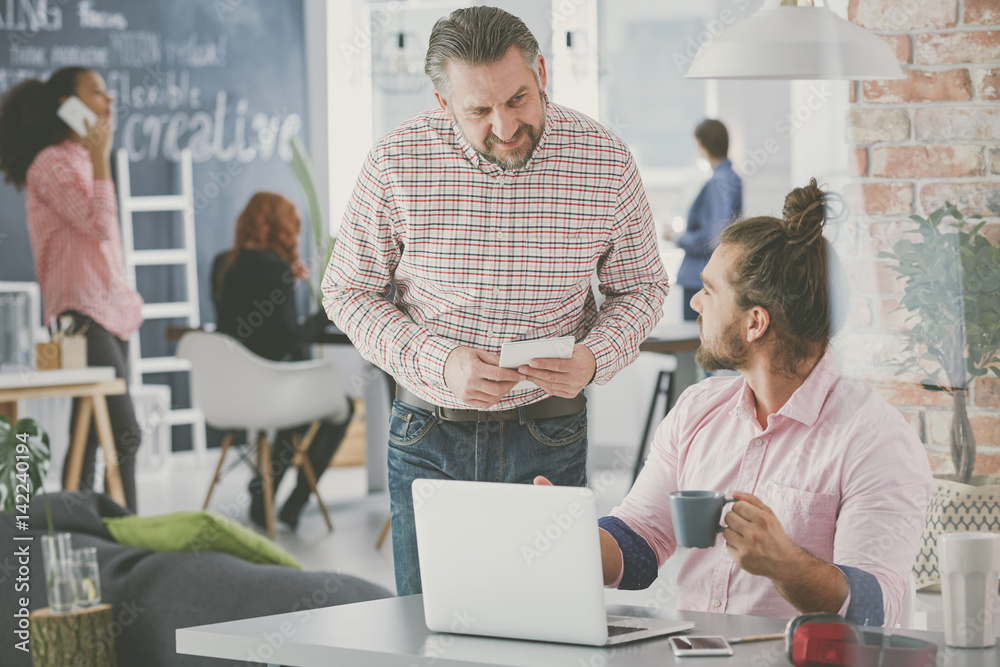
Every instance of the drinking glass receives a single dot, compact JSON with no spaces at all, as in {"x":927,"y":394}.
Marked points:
{"x":57,"y":557}
{"x":86,"y":576}
{"x":15,"y":329}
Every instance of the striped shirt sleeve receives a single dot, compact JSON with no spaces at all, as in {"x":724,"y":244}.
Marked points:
{"x":631,"y":279}
{"x":63,"y":189}
{"x":358,"y":281}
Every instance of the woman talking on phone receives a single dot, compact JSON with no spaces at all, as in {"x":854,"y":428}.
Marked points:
{"x":72,"y":219}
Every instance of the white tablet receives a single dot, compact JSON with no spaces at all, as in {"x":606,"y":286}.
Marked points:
{"x":520,"y":352}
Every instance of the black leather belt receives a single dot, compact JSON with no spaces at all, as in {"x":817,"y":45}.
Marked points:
{"x":547,"y":408}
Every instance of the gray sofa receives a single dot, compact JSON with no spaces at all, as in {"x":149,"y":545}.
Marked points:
{"x":154,"y":593}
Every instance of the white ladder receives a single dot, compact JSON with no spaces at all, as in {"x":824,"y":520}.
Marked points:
{"x":184,"y":256}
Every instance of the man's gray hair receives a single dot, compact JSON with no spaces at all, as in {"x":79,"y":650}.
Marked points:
{"x":476,"y":36}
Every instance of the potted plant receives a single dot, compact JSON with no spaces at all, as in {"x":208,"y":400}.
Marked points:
{"x":24,"y":466}
{"x":25,"y":456}
{"x":322,"y":241}
{"x":951,"y":283}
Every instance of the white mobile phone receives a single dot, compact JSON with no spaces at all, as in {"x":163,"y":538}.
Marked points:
{"x":520,"y":352}
{"x":73,"y":112}
{"x":703,"y":645}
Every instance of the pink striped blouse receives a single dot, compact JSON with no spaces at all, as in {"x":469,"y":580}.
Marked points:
{"x":75,"y":240}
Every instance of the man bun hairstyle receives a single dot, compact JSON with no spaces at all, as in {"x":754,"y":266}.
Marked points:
{"x":804,"y":214}
{"x":28,"y":121}
{"x":476,"y":36}
{"x":788,"y":268}
{"x":714,"y":137}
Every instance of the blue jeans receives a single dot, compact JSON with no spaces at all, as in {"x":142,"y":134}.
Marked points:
{"x":422,"y":446}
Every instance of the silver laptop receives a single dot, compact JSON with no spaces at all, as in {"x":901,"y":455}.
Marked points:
{"x":518,"y":561}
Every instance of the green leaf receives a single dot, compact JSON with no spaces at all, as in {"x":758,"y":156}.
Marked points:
{"x":930,"y":386}
{"x":949,"y":276}
{"x":34,"y":457}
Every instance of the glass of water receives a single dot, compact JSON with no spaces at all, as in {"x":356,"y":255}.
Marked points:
{"x":57,"y":554}
{"x":87,"y":577}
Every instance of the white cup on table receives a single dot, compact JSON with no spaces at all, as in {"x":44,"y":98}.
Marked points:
{"x":969,"y":564}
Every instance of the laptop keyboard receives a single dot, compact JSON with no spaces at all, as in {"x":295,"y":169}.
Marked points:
{"x":615,"y":630}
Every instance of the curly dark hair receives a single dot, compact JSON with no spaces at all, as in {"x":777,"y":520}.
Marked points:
{"x":28,"y":121}
{"x":789,"y":268}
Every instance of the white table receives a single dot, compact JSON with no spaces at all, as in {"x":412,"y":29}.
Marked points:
{"x":391,"y":633}
{"x":91,"y":385}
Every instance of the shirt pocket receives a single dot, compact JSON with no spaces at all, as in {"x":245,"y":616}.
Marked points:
{"x":808,"y":518}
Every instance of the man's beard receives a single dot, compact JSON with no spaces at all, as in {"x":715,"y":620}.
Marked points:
{"x":732,"y":352}
{"x":519,"y":157}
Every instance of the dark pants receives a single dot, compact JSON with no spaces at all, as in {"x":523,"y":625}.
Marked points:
{"x":106,"y":349}
{"x":324,"y":445}
{"x":690,"y":314}
{"x":422,"y":446}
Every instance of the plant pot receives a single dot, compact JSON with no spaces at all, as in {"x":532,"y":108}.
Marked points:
{"x":955,"y":508}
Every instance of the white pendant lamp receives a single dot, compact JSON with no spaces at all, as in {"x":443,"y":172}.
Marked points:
{"x":783,"y":40}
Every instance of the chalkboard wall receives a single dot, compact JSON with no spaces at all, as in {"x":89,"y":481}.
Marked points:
{"x":225,"y":78}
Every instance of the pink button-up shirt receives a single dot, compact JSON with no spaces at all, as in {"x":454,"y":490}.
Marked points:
{"x":75,"y":240}
{"x":842,"y":470}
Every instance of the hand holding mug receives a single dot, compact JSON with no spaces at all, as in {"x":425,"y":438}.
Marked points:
{"x":755,"y":538}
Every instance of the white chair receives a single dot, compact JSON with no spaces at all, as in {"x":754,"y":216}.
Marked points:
{"x":236,"y":390}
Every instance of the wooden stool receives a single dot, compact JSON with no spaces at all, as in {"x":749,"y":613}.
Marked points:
{"x":83,"y":637}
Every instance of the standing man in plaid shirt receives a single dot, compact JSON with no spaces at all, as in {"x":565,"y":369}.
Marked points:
{"x":489,"y":216}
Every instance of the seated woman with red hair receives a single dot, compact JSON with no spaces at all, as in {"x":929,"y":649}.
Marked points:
{"x":257,"y":278}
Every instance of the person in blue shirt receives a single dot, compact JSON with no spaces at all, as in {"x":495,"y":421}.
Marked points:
{"x":719,"y":203}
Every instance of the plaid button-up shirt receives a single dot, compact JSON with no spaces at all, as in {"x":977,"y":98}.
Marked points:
{"x":480,"y":256}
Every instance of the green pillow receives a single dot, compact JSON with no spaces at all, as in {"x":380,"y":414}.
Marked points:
{"x":198,"y":531}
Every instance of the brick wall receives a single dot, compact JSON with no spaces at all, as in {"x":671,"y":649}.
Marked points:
{"x":916,"y":142}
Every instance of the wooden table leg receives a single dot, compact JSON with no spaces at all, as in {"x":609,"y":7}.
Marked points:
{"x":384,"y":533}
{"x":8,"y":409}
{"x":71,"y":476}
{"x":264,"y":465}
{"x":112,"y":475}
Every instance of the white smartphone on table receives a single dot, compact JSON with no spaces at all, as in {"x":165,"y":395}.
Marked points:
{"x":74,"y":112}
{"x":521,"y":352}
{"x":700,"y":645}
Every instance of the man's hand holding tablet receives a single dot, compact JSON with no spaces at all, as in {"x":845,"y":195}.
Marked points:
{"x":557,"y":365}
{"x":475,"y":377}
{"x":521,"y":352}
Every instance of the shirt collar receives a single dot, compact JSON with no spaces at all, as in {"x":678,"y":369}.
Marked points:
{"x":467,"y":150}
{"x":477,"y":161}
{"x":805,"y":404}
{"x":73,"y":147}
{"x":724,"y":163}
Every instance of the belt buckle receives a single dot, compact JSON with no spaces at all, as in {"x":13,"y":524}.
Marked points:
{"x":439,"y":412}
